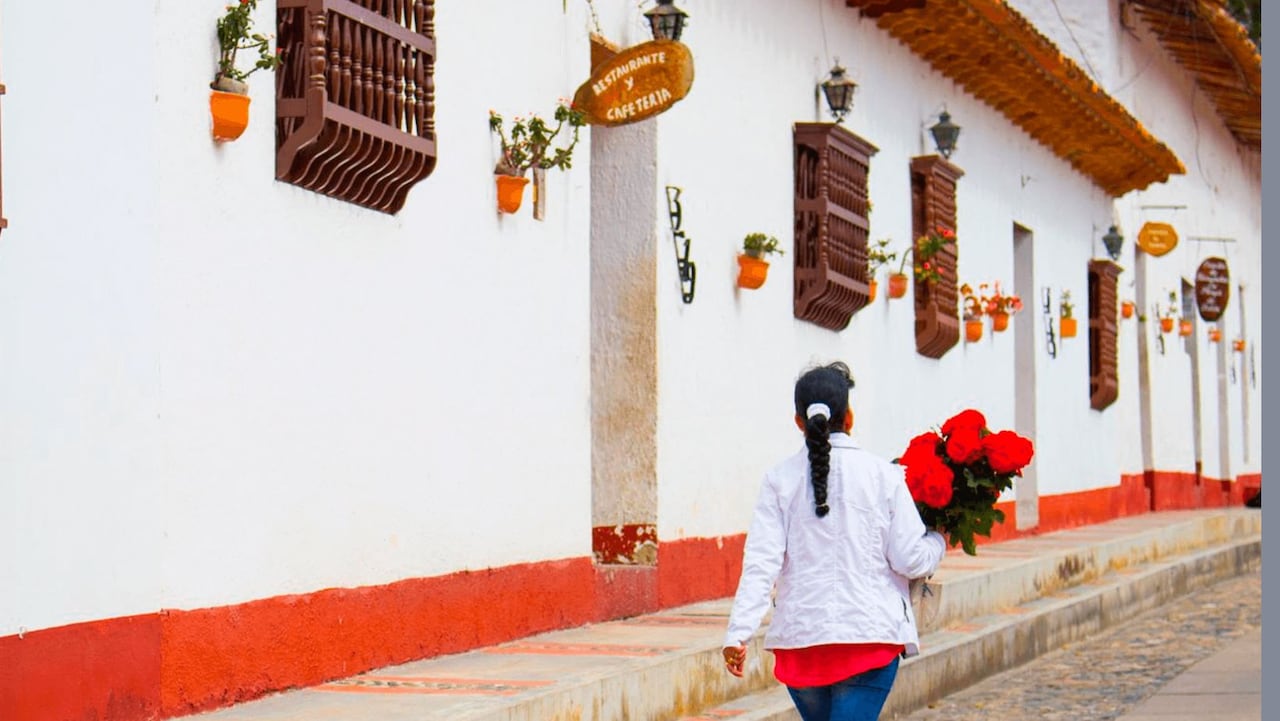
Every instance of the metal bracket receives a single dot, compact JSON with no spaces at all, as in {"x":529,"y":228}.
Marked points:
{"x":1155,"y":313}
{"x":1050,"y":340}
{"x":685,"y":267}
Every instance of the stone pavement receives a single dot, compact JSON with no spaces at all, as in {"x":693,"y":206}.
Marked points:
{"x":1199,"y":657}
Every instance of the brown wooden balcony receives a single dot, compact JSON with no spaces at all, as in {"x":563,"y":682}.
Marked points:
{"x":355,"y":98}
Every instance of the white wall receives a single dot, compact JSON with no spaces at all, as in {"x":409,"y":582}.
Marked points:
{"x":1221,"y":192}
{"x":217,"y":387}
{"x":730,"y":359}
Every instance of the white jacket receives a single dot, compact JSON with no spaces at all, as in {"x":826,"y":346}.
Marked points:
{"x":842,"y":578}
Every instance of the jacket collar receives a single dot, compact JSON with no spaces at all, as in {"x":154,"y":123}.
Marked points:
{"x":842,"y":440}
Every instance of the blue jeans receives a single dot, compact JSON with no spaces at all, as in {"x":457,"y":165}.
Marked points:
{"x":857,"y":698}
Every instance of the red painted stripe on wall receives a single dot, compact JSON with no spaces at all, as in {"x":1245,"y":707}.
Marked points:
{"x":95,"y":671}
{"x":219,"y":656}
{"x":696,"y":569}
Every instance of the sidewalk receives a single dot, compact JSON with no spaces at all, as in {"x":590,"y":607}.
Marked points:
{"x":1227,"y":686}
{"x":1010,"y":604}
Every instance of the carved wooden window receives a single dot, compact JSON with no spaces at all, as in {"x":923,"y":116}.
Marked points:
{"x":1104,"y":376}
{"x":355,"y":98}
{"x":933,"y":206}
{"x":831,"y":279}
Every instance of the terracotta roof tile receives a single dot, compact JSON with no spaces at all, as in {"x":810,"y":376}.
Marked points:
{"x":1001,"y":59}
{"x":1215,"y":48}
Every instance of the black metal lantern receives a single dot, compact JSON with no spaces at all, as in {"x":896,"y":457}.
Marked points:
{"x":945,"y":134}
{"x":666,"y":20}
{"x":839,"y":92}
{"x":1112,"y":240}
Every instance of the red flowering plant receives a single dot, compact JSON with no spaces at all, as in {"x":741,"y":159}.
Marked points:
{"x":956,"y":474}
{"x":998,"y":302}
{"x":923,"y":251}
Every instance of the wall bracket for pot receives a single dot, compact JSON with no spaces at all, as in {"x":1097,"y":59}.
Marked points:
{"x":687,"y":270}
{"x":1050,"y":341}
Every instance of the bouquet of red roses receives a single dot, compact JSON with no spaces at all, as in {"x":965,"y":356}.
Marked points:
{"x":956,"y":474}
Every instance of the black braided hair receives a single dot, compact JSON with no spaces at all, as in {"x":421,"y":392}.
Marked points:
{"x":829,"y":385}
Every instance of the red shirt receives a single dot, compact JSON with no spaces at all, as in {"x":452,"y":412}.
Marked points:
{"x":826,"y":664}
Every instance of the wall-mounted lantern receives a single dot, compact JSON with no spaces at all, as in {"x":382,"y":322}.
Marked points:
{"x":1112,"y":240}
{"x":945,"y":133}
{"x":666,"y":20}
{"x":839,"y":91}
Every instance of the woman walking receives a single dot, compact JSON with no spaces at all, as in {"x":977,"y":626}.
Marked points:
{"x":837,"y":531}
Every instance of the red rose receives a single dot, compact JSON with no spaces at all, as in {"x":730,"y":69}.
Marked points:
{"x":929,"y":480}
{"x":964,"y":419}
{"x":935,"y":487}
{"x":964,"y":445}
{"x":925,"y":443}
{"x":1007,"y":452}
{"x":921,"y":448}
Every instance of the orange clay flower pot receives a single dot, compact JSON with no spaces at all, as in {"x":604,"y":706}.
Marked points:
{"x":1166,"y":325}
{"x":1238,"y":344}
{"x":999,"y":321}
{"x":230,"y":114}
{"x":1184,"y":328}
{"x":1215,"y":335}
{"x":897,"y":285}
{"x":1067,"y":327}
{"x":510,"y":192}
{"x":871,"y":291}
{"x":973,"y":330}
{"x":1126,"y":309}
{"x":751,"y":271}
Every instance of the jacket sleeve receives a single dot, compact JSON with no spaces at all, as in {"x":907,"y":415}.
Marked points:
{"x":914,"y":551}
{"x":761,"y":562}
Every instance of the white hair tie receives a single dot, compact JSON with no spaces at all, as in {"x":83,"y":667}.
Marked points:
{"x":817,"y":409}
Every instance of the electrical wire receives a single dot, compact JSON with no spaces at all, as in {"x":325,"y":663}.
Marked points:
{"x":822,"y":25}
{"x":1083,"y":55}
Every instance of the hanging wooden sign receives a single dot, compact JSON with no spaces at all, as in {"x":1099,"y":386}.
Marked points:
{"x":637,"y":83}
{"x":1157,"y":238}
{"x":1213,"y":288}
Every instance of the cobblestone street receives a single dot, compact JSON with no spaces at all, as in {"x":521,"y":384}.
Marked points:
{"x":1103,"y":677}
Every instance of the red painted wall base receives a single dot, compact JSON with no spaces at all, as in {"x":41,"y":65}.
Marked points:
{"x":177,"y":662}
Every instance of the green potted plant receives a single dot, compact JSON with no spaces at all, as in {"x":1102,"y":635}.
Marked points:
{"x":752,"y":267}
{"x":528,"y":144}
{"x":1066,"y":322}
{"x":878,"y":255}
{"x":972,"y":305}
{"x":229,"y":102}
{"x":1169,"y":313}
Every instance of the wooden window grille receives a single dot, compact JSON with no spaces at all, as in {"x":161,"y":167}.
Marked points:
{"x":831,"y":168}
{"x":1104,"y":375}
{"x":933,"y":206}
{"x":355,"y":98}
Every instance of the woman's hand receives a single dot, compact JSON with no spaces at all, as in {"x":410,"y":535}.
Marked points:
{"x":735,"y":657}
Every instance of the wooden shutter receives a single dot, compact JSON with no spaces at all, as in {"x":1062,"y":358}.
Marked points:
{"x":1104,"y":376}
{"x":355,"y":98}
{"x":933,"y":206}
{"x":831,"y":168}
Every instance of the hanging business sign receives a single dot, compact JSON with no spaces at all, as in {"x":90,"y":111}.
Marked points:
{"x":1157,"y":238}
{"x":637,"y":83}
{"x":1213,"y":288}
